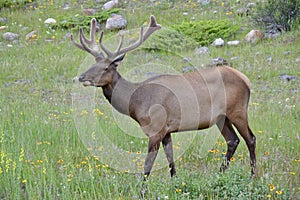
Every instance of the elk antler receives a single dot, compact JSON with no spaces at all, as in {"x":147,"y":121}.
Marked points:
{"x":94,"y":50}
{"x":153,"y":26}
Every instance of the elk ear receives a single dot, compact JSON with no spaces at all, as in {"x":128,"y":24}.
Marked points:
{"x":118,"y":60}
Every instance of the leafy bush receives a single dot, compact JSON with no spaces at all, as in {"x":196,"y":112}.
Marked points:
{"x":80,"y":21}
{"x":278,"y":14}
{"x":170,"y":40}
{"x":205,"y":32}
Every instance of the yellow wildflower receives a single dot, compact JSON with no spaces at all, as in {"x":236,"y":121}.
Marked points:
{"x":279,"y":192}
{"x":272,"y":187}
{"x":178,"y":190}
{"x":60,"y":161}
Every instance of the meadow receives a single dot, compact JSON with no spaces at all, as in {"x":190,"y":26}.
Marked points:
{"x":49,"y":148}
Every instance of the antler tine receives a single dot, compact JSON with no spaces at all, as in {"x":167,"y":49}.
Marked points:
{"x":121,"y":43}
{"x":133,"y":46}
{"x":98,"y":56}
{"x":108,"y":53}
{"x":153,"y":26}
{"x":92,"y":41}
{"x":76,"y":44}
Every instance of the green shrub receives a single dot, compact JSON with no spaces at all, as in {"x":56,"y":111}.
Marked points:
{"x":81,"y":21}
{"x":170,"y":40}
{"x":205,"y":32}
{"x":278,"y":14}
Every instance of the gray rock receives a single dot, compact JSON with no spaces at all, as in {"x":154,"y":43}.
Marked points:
{"x":233,"y":43}
{"x":50,"y":21}
{"x":271,"y":34}
{"x":116,"y":22}
{"x":218,"y":42}
{"x":201,"y":50}
{"x":269,"y":59}
{"x":188,"y":69}
{"x":204,"y":2}
{"x":286,"y":77}
{"x":3,"y":20}
{"x":10,"y":36}
{"x":219,"y":61}
{"x":109,"y":5}
{"x":66,"y":6}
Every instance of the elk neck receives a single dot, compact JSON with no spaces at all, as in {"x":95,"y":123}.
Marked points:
{"x":119,"y":92}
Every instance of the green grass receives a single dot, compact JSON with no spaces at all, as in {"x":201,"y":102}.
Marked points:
{"x":44,"y":154}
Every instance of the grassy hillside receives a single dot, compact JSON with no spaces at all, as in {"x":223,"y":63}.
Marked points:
{"x":59,"y":140}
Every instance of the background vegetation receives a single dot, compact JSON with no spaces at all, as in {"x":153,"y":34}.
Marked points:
{"x":43,"y":157}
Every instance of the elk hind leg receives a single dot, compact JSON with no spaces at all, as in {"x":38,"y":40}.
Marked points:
{"x":243,"y":127}
{"x":231,"y":138}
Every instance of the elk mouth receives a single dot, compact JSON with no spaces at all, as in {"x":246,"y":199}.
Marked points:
{"x":87,"y":83}
{"x":90,"y":83}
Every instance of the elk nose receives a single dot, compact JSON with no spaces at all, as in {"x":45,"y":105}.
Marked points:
{"x":81,"y":78}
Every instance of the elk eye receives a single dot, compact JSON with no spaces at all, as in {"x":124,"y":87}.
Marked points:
{"x":106,"y":69}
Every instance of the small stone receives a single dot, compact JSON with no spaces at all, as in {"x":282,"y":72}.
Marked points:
{"x":201,"y":50}
{"x":218,"y":42}
{"x":204,"y":2}
{"x":219,"y":61}
{"x":254,"y":36}
{"x":286,"y":77}
{"x":3,"y":20}
{"x":50,"y":21}
{"x":116,"y":22}
{"x":3,"y":28}
{"x":10,"y":36}
{"x":188,"y":69}
{"x":269,"y":59}
{"x":66,"y":6}
{"x":233,"y":43}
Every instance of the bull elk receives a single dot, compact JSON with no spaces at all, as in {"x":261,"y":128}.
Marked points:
{"x":172,"y":103}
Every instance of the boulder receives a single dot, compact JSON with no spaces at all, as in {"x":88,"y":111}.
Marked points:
{"x":50,"y":21}
{"x":254,"y":36}
{"x":9,"y":36}
{"x":218,"y":42}
{"x":109,"y":5}
{"x":116,"y":22}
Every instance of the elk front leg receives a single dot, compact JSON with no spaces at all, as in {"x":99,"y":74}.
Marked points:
{"x":168,"y":148}
{"x":153,"y":147}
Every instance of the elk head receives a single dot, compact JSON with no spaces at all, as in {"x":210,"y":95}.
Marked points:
{"x":101,"y":73}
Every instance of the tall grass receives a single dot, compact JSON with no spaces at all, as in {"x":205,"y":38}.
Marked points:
{"x":43,"y":156}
